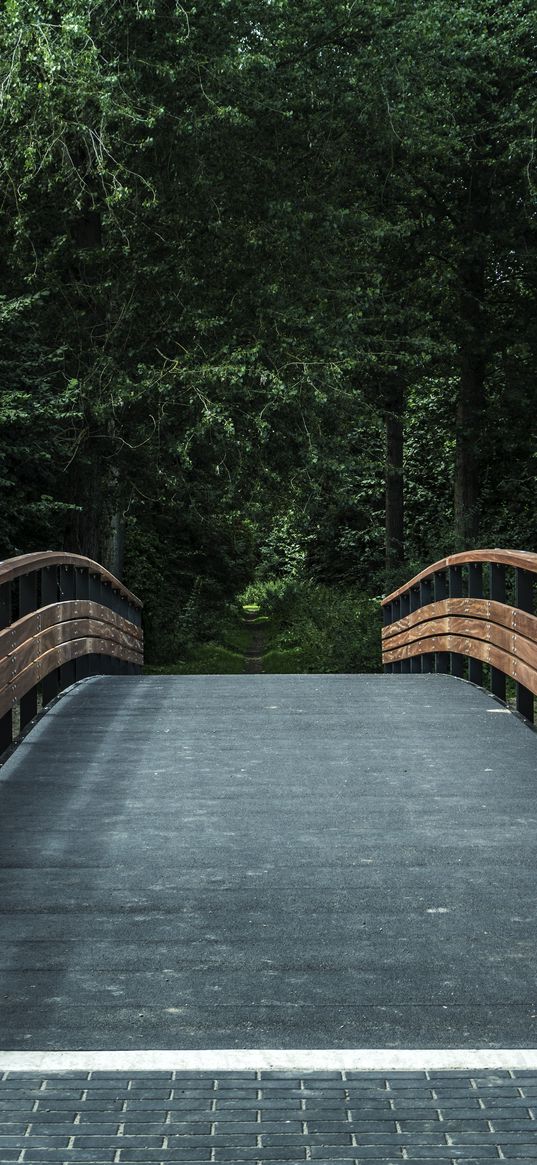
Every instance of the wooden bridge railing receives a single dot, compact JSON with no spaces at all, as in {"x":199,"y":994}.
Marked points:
{"x":62,"y":618}
{"x":478,"y":605}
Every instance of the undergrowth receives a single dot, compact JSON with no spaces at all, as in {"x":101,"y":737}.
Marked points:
{"x":315,"y":628}
{"x":308,"y":627}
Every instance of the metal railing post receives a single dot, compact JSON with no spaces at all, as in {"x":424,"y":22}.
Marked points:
{"x":6,"y":721}
{"x":95,"y":596}
{"x":455,"y":592}
{"x":396,"y":615}
{"x":67,"y":591}
{"x":405,"y":610}
{"x":441,"y":592}
{"x":415,"y":604}
{"x":475,"y":591}
{"x":426,"y":597}
{"x":524,"y":584}
{"x":28,"y":604}
{"x":81,"y":592}
{"x":387,"y":618}
{"x":49,"y":595}
{"x":497,"y":593}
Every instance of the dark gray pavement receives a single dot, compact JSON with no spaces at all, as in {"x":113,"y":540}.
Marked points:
{"x":458,"y":1118}
{"x":270,"y":862}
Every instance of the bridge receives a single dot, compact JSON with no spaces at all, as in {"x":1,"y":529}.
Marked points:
{"x":305,"y":901}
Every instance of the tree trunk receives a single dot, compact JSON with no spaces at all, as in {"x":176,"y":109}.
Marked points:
{"x":474,"y":346}
{"x":395,"y":550}
{"x":469,"y":427}
{"x":84,"y":488}
{"x":86,"y":529}
{"x":113,"y":525}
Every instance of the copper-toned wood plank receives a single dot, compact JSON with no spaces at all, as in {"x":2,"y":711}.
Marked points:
{"x":476,"y":649}
{"x":500,"y":613}
{"x":54,"y":658}
{"x":476,"y":629}
{"x":430,"y":644}
{"x":60,"y":633}
{"x":30,"y":625}
{"x":516,"y":558}
{"x":12,"y":568}
{"x":449,"y":625}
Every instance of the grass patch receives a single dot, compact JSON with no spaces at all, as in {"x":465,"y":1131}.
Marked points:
{"x":235,"y":636}
{"x":280,"y":662}
{"x":203,"y":660}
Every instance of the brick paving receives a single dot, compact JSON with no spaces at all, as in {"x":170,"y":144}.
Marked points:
{"x":459,"y":1118}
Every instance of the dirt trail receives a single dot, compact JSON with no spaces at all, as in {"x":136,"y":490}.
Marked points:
{"x":253,"y":656}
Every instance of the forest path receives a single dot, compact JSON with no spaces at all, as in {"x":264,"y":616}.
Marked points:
{"x":253,"y":655}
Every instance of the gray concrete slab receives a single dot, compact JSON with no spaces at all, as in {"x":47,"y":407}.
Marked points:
{"x":270,"y":861}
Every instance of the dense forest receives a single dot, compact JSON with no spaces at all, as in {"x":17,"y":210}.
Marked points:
{"x":268,"y":296}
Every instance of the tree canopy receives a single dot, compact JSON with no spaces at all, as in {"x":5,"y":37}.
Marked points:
{"x":268,"y":288}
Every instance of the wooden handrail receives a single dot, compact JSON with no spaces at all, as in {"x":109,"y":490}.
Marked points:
{"x":450,"y":613}
{"x":13,"y":568}
{"x":524,"y":559}
{"x":63,"y":617}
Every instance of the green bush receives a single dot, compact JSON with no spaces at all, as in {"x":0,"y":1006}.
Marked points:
{"x":283,"y":662}
{"x":205,"y":659}
{"x":316,"y":628}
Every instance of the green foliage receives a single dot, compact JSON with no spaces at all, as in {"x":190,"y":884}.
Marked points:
{"x":281,"y":661}
{"x":314,"y":628}
{"x":236,"y":238}
{"x":206,"y":659}
{"x":186,"y":571}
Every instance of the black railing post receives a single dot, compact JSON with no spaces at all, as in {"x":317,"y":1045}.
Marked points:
{"x":415,"y":604}
{"x":475,"y":591}
{"x":440,"y":593}
{"x":94,"y":588}
{"x":426,"y":597}
{"x":405,"y":610}
{"x":120,"y":606}
{"x":387,"y":618}
{"x":396,"y":615}
{"x":497,"y":595}
{"x":82,"y":662}
{"x":6,"y":721}
{"x":138,"y":621}
{"x":455,"y":592}
{"x":524,"y":583}
{"x":49,"y":595}
{"x":106,"y":600}
{"x":95,"y":595}
{"x":82,"y":583}
{"x":67,"y":593}
{"x":28,"y":604}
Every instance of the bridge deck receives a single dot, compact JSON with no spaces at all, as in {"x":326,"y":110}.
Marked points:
{"x":270,"y":861}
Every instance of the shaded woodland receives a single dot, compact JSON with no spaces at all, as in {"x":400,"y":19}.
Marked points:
{"x":268,"y":294}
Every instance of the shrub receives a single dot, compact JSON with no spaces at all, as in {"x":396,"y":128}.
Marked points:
{"x":326,"y":629}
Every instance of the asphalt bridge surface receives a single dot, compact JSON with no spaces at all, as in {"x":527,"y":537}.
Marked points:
{"x":270,"y":862}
